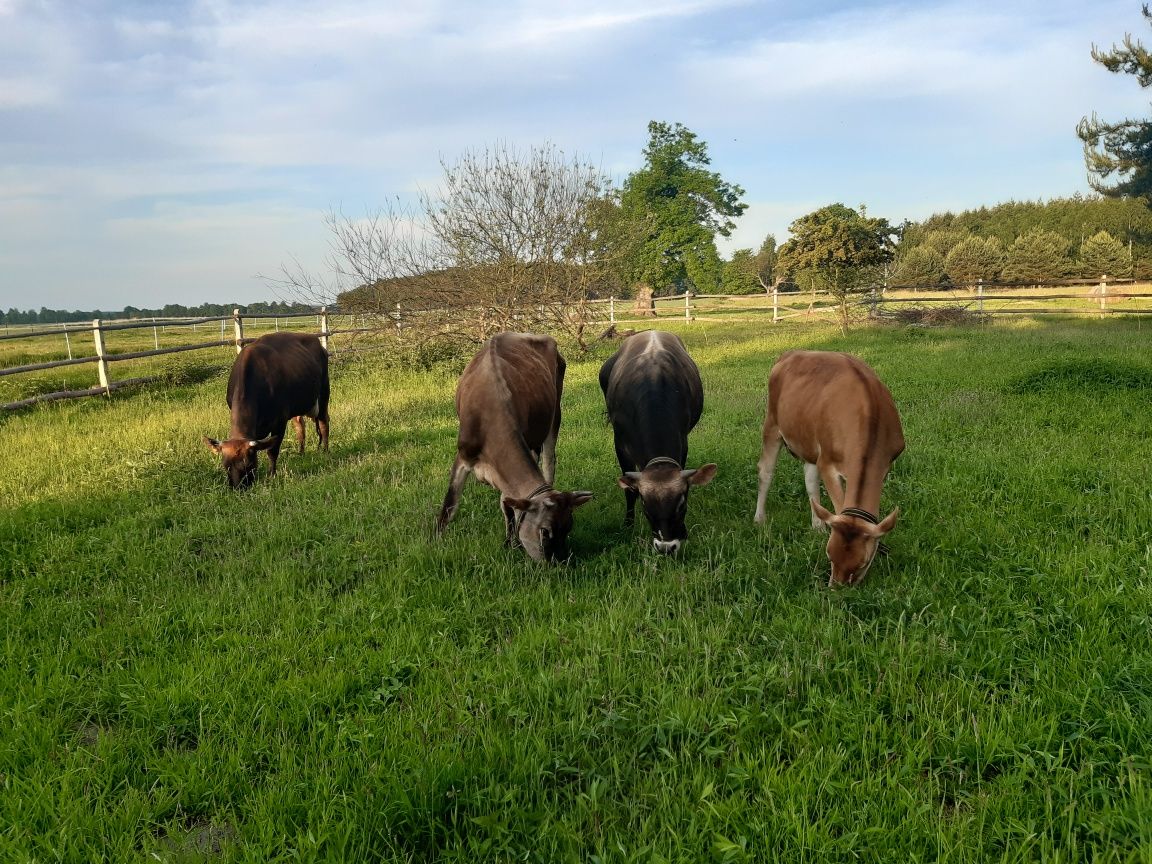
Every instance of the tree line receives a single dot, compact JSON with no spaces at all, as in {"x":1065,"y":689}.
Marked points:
{"x":44,"y":315}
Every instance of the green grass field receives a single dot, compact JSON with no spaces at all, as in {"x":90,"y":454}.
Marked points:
{"x":302,"y":673}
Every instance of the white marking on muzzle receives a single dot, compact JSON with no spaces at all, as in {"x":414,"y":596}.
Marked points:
{"x":668,"y":547}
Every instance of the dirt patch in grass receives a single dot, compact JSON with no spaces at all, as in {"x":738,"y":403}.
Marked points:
{"x":198,"y":839}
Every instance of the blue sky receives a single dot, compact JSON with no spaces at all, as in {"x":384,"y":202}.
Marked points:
{"x":156,"y":152}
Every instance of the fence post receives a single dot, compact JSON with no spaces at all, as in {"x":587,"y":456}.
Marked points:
{"x":155,"y":336}
{"x":611,"y":310}
{"x":687,"y":306}
{"x":1103,"y":295}
{"x":324,"y":327}
{"x":775,"y":304}
{"x":980,"y":296}
{"x":101,"y":363}
{"x":238,"y":325}
{"x":67,"y":340}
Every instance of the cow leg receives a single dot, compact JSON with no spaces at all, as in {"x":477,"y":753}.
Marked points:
{"x":630,"y":495}
{"x":322,"y":432}
{"x":630,"y":498}
{"x":298,"y":422}
{"x":456,"y":479}
{"x":274,"y":453}
{"x":548,"y":468}
{"x":322,"y":414}
{"x":766,"y":469}
{"x":510,"y":537}
{"x":548,"y":458}
{"x":812,"y":484}
{"x":833,"y":484}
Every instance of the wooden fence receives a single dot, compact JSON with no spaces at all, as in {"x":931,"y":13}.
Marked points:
{"x":1106,"y":297}
{"x":102,"y":358}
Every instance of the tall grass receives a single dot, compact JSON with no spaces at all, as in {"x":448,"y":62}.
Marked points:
{"x":302,"y":673}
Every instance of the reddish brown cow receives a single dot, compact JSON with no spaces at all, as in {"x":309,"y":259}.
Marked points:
{"x":508,"y":402}
{"x":276,"y":378}
{"x":833,"y":412}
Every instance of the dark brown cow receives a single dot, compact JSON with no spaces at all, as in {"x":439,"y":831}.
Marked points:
{"x":508,"y":402}
{"x":276,"y":378}
{"x":655,"y":397}
{"x":835,"y":414}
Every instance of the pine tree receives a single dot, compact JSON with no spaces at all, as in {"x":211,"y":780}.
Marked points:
{"x":974,"y":258}
{"x":1102,"y":254}
{"x":1123,"y":149}
{"x":1037,"y":256}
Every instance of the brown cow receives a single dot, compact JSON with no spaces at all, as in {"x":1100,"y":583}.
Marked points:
{"x":508,"y":402}
{"x":276,"y":378}
{"x":833,"y":412}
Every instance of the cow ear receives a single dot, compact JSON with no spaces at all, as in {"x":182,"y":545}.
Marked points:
{"x":578,"y":499}
{"x":701,"y":476}
{"x":263,"y":443}
{"x":629,"y":480}
{"x":213,"y":443}
{"x":823,"y":515}
{"x":517,"y":503}
{"x":886,"y":524}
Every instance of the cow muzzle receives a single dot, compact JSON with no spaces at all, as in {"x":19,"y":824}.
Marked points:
{"x":667,"y":547}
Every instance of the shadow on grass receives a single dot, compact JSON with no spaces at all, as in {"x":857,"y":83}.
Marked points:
{"x":1091,"y":375}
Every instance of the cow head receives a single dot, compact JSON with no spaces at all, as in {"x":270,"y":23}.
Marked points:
{"x":663,"y":489}
{"x":852,"y":542}
{"x":543,"y":521}
{"x":238,"y":456}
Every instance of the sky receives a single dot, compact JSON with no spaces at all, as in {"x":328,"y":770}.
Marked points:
{"x":181,"y":152}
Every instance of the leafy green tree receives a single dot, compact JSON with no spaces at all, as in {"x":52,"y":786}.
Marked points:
{"x":1103,"y":254}
{"x":1037,"y":256}
{"x":974,"y":258}
{"x":841,"y":249}
{"x":681,"y":207}
{"x":920,"y":266}
{"x":1123,"y":149}
{"x":740,"y":274}
{"x":766,"y":263}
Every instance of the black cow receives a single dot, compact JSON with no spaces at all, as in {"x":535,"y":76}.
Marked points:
{"x":276,"y":378}
{"x":654,"y":397}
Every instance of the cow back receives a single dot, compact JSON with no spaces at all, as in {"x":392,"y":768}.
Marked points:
{"x":275,"y":378}
{"x":828,"y":403}
{"x":653,"y":393}
{"x":510,"y":392}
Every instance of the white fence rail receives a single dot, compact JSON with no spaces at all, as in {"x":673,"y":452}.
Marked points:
{"x":1103,"y":299}
{"x":103,"y":358}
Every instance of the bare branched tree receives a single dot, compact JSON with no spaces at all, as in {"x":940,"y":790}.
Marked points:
{"x":510,"y":240}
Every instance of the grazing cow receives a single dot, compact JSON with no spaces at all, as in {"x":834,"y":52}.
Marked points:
{"x":278,"y":377}
{"x":508,"y":402}
{"x":831,"y":411}
{"x":654,"y":396}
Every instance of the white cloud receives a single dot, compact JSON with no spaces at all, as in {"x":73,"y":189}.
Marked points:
{"x":129,"y":137}
{"x":26,"y":93}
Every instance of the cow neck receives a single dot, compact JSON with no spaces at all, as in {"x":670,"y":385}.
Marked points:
{"x":860,"y":514}
{"x":863,"y":495}
{"x":522,"y":478}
